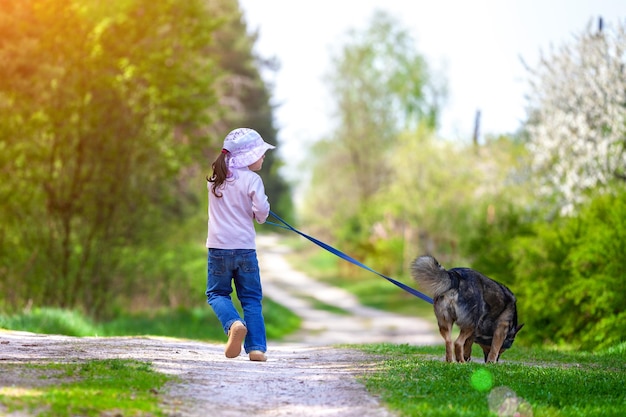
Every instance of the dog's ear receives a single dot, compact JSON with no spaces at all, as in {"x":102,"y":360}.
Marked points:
{"x":519,"y":328}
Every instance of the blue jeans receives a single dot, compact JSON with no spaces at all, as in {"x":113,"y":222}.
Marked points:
{"x":242,"y":267}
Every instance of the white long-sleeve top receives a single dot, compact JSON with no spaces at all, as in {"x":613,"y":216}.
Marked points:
{"x":231,"y":217}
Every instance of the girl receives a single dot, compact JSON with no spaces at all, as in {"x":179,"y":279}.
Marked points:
{"x":237,"y":198}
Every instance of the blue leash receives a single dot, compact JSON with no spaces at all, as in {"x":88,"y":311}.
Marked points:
{"x":342,"y":255}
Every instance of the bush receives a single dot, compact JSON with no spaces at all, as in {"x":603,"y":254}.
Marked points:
{"x":569,"y":277}
{"x":490,"y":241}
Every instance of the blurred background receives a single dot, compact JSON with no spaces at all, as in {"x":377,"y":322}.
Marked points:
{"x":489,"y":134}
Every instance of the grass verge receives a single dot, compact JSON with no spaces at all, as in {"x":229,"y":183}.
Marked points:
{"x":196,"y":323}
{"x":94,"y":388}
{"x":415,"y":381}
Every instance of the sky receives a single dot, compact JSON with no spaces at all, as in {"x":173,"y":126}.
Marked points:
{"x":477,"y":46}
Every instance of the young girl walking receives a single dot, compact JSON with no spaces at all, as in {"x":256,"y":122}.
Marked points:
{"x":236,"y":199}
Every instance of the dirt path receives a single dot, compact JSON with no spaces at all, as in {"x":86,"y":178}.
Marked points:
{"x":305,"y":376}
{"x":364,"y":325}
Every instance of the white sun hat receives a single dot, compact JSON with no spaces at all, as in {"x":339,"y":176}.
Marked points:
{"x":245,"y":147}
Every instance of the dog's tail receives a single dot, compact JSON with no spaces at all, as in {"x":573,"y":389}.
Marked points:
{"x":430,"y":276}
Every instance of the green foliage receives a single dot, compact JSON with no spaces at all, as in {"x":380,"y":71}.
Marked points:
{"x":569,"y":276}
{"x":107,"y":112}
{"x":171,"y":274}
{"x":414,"y":383}
{"x":490,"y":242}
{"x":94,"y":388}
{"x":108,"y":101}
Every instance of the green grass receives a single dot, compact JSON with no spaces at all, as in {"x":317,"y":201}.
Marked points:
{"x":197,"y":323}
{"x":416,"y":382}
{"x":94,"y":388}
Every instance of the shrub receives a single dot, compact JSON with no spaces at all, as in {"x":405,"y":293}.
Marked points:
{"x":570,"y":277}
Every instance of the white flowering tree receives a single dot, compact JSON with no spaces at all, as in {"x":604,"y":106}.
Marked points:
{"x":577,"y":116}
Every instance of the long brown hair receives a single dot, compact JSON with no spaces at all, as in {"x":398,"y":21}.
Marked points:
{"x":220,"y":173}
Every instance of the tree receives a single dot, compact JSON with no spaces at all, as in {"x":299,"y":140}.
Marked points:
{"x":381,"y":86}
{"x":110,"y":113}
{"x":577,"y":116}
{"x":100,"y":106}
{"x":244,"y":97}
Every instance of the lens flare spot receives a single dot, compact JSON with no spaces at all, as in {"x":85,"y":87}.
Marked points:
{"x":482,"y":380}
{"x":505,"y":403}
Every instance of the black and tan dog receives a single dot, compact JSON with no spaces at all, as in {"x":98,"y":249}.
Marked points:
{"x":484,"y":309}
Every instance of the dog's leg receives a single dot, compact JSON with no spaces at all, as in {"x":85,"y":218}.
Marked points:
{"x":486,"y":351}
{"x":496,"y":344}
{"x":465,"y":334}
{"x":467,"y":348}
{"x":445,"y":320}
{"x":445,"y":329}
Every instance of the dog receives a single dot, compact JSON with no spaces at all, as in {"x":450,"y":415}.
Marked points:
{"x":483,"y":309}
